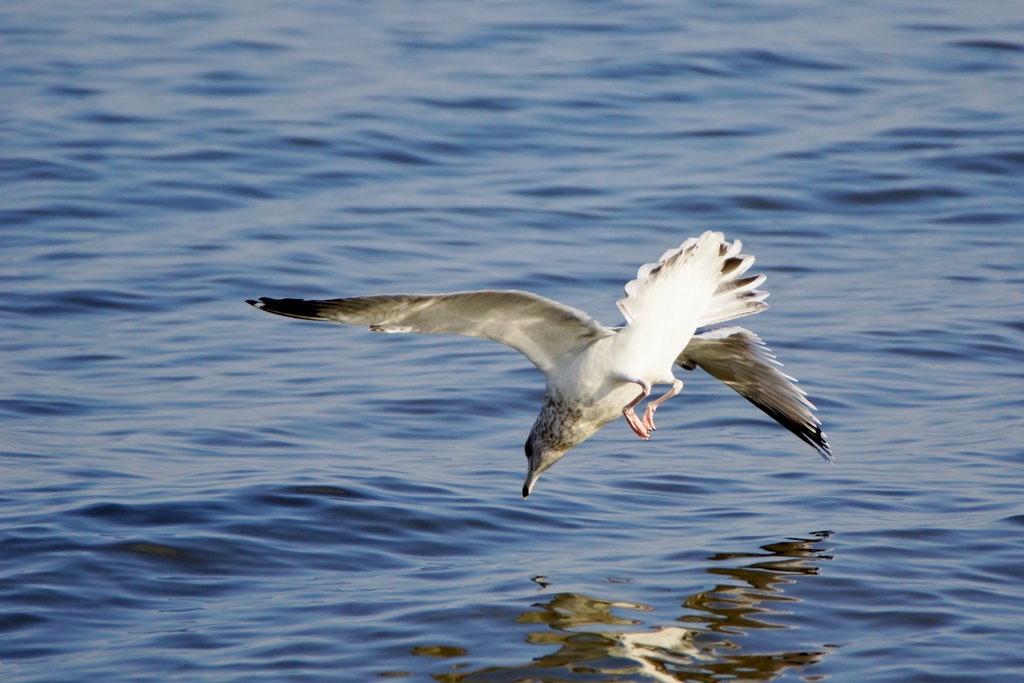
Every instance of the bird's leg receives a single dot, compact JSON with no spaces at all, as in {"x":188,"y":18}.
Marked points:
{"x":631,"y":418}
{"x":648,"y":421}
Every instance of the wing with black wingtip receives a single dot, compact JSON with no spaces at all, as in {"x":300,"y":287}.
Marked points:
{"x":543,"y":330}
{"x":740,"y":359}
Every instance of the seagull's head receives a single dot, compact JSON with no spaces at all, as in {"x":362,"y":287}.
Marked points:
{"x":539,"y":457}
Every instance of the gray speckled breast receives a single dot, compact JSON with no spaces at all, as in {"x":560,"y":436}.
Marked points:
{"x":564,"y":423}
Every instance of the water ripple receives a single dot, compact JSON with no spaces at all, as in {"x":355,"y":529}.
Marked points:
{"x":194,"y":489}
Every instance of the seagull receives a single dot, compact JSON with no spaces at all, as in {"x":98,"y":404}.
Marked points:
{"x":594,"y":374}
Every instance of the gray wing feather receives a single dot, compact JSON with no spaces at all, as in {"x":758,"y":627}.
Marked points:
{"x":541,"y":329}
{"x":739,"y":358}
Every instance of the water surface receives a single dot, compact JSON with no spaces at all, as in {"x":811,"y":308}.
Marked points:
{"x":194,"y":489}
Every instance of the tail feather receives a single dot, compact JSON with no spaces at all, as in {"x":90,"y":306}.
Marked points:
{"x":733,"y":295}
{"x":736,"y":297}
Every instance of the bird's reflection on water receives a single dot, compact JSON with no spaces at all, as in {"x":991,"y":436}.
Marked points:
{"x":594,"y":644}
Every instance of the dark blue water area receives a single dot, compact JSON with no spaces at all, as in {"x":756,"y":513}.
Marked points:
{"x":193,"y":489}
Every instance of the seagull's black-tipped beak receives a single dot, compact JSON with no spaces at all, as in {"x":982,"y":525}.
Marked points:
{"x":538,"y":460}
{"x":530,"y":476}
{"x":531,"y":479}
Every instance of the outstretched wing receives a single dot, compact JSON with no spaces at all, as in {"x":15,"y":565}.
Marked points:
{"x":739,"y":358}
{"x":541,"y":329}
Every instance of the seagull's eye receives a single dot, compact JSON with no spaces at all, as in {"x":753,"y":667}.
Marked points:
{"x":529,"y":449}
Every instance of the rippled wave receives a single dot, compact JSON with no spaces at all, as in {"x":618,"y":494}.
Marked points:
{"x":593,"y":641}
{"x":191,"y":490}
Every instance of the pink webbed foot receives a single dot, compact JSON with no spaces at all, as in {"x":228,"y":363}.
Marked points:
{"x":634,"y":422}
{"x":648,"y":420}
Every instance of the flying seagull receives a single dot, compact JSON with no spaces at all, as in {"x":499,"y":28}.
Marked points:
{"x":596,"y":373}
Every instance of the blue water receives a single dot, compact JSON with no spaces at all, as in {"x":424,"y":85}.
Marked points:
{"x":195,"y":490}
